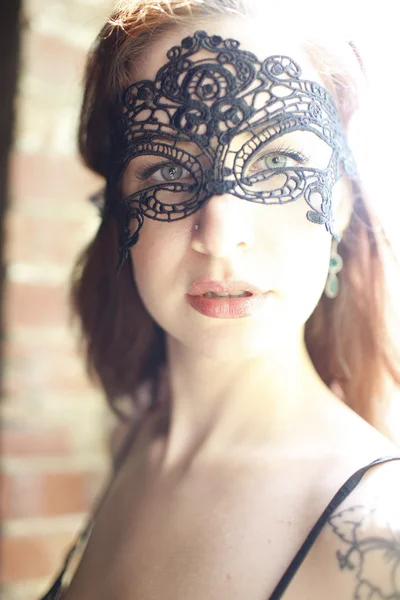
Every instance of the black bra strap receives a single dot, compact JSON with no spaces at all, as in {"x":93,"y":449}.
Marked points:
{"x":338,"y":498}
{"x":344,"y":491}
{"x":54,"y":592}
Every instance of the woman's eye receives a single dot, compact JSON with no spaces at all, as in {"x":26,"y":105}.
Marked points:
{"x":170,"y":173}
{"x":277,"y":160}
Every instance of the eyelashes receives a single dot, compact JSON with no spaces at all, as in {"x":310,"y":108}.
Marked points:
{"x":285,"y":150}
{"x":150,"y":168}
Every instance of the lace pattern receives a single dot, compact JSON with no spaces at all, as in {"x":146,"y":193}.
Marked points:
{"x":211,"y":115}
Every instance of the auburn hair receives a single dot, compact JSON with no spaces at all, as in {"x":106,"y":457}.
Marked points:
{"x":347,"y":338}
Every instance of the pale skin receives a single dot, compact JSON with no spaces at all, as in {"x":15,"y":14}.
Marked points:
{"x":216,"y":506}
{"x":214,"y":364}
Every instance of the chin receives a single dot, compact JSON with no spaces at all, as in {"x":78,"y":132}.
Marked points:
{"x":228,"y":344}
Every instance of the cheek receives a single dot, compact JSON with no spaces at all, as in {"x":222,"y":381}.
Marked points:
{"x":156,"y":236}
{"x":143,"y":266}
{"x":301,"y":251}
{"x":307,"y":274}
{"x":146,"y":256}
{"x":156,"y":257}
{"x":343,"y":200}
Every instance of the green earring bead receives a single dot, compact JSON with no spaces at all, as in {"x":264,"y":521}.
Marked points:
{"x":332,"y":285}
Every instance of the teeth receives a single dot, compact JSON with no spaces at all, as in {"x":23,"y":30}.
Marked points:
{"x":225,"y":295}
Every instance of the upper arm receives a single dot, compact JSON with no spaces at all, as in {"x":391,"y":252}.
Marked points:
{"x":364,"y":533}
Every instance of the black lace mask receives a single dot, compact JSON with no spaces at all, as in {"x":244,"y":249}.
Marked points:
{"x":217,"y":120}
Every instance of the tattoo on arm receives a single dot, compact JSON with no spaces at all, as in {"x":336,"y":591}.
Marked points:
{"x":375,"y":559}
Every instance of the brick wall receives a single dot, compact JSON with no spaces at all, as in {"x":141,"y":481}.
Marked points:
{"x":55,"y":425}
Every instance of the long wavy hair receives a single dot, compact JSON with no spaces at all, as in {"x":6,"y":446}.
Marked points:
{"x":347,"y":338}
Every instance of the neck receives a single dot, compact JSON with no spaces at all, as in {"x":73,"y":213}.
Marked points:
{"x":215,"y":406}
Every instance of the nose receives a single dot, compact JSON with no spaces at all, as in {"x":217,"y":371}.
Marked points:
{"x":225,"y":226}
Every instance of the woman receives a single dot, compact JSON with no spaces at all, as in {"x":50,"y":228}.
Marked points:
{"x":232,"y":203}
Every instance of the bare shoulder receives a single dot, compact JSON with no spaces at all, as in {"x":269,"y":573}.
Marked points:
{"x":361,"y":538}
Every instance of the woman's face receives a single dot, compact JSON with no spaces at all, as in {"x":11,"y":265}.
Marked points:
{"x":271,"y":246}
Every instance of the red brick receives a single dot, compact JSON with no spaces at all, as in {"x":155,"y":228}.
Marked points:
{"x":34,"y":239}
{"x":51,"y":181}
{"x":35,"y":367}
{"x":30,"y":557}
{"x":25,"y":440}
{"x":69,"y":377}
{"x":35,"y":305}
{"x":37,"y":494}
{"x":52,"y":60}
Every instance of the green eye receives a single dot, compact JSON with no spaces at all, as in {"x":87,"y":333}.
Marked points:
{"x":280,"y":158}
{"x":275,"y":161}
{"x":163,"y":173}
{"x":172,"y":172}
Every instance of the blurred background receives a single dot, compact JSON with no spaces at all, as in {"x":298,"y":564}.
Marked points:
{"x":54,"y":436}
{"x":55,"y":425}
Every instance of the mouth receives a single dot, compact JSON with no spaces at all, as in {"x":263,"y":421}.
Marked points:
{"x":229,"y":304}
{"x":225,"y":289}
{"x":226,"y":295}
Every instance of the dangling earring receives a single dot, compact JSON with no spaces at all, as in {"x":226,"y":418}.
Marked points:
{"x":335,"y":266}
